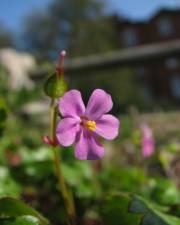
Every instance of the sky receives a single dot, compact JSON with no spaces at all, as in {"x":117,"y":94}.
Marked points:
{"x":12,"y":12}
{"x":141,"y":9}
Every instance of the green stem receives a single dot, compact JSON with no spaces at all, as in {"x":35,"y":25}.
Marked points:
{"x":68,"y":200}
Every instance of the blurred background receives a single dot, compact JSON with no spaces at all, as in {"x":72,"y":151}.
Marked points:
{"x":130,"y":49}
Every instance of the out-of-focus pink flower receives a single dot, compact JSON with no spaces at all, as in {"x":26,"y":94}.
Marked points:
{"x":147,"y":141}
{"x":82,"y":126}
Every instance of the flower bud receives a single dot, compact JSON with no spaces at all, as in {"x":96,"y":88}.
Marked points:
{"x":55,"y":86}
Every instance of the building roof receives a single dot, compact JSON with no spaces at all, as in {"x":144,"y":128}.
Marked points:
{"x":162,"y":11}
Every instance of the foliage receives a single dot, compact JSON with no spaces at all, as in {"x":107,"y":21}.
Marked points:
{"x":123,"y":209}
{"x":115,"y":211}
{"x":6,"y":37}
{"x":3,"y":116}
{"x":14,"y":212}
{"x":30,"y":174}
{"x":69,"y":24}
{"x":9,"y":187}
{"x":152,"y":213}
{"x":100,"y":189}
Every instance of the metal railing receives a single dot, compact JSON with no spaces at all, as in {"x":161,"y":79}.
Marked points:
{"x":125,"y":57}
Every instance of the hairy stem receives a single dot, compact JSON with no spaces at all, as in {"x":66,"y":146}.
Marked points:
{"x":68,"y":200}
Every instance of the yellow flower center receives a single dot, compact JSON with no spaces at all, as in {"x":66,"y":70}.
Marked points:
{"x":91,"y":125}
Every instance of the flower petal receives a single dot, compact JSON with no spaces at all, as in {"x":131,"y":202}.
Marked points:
{"x":107,"y":126}
{"x":99,"y":103}
{"x":87,"y":147}
{"x":148,"y":150}
{"x":66,"y":131}
{"x":71,"y":104}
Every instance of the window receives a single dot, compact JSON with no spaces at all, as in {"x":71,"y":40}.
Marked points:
{"x":175,"y":86}
{"x":172,"y":63}
{"x":165,"y":26}
{"x":129,"y":37}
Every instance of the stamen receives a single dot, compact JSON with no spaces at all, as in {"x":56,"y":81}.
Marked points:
{"x":91,"y":125}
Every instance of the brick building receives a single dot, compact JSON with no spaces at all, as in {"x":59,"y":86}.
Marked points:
{"x":161,"y":79}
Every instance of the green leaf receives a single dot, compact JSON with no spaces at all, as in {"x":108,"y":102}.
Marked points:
{"x":24,"y":220}
{"x":8,"y":184}
{"x":3,"y":115}
{"x":152,"y":213}
{"x":122,"y":209}
{"x":11,"y":207}
{"x":166,"y":192}
{"x":1,"y":130}
{"x":115,"y":211}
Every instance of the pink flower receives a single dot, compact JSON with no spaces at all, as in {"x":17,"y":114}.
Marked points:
{"x":82,"y":126}
{"x":147,"y":142}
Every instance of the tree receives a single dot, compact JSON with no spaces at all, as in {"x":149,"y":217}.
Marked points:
{"x":79,"y":26}
{"x":6,"y":37}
